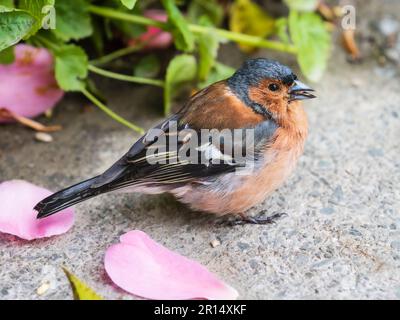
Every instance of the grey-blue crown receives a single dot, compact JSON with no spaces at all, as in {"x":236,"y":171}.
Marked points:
{"x":254,"y":70}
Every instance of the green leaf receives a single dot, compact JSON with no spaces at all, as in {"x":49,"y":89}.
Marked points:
{"x":249,"y":18}
{"x":7,"y":56}
{"x":148,"y":67}
{"x":183,"y":38}
{"x":208,"y":50}
{"x":129,"y":3}
{"x":36,"y":9}
{"x":7,"y":3}
{"x":73,"y":20}
{"x":281,"y":30}
{"x":71,"y":67}
{"x":302,"y":5}
{"x":80,"y":290}
{"x":181,"y":69}
{"x":218,"y":72}
{"x":209,"y":8}
{"x":313,"y":42}
{"x":14,"y":25}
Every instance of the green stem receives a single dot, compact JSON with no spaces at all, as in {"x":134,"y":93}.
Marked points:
{"x":245,"y":38}
{"x":123,"y":77}
{"x":111,"y":13}
{"x":109,"y":74}
{"x":111,"y":113}
{"x":92,"y":98}
{"x":115,"y":55}
{"x":121,"y":52}
{"x":233,"y":36}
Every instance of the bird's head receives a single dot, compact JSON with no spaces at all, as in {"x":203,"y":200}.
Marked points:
{"x":268,"y":87}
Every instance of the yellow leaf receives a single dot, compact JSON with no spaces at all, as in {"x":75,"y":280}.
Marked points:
{"x":248,"y":18}
{"x":81,"y":290}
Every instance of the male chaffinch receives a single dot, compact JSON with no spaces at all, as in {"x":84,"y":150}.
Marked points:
{"x":263,"y":96}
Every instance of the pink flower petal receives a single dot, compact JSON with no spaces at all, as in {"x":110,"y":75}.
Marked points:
{"x":157,"y":38}
{"x":17,"y":217}
{"x":143,"y":267}
{"x":28,"y":87}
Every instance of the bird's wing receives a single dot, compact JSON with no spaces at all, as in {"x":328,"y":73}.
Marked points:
{"x":156,"y":158}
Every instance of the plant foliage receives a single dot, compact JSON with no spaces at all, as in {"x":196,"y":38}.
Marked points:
{"x":197,"y":27}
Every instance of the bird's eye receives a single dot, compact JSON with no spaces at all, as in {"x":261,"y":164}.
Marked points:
{"x":273,"y":87}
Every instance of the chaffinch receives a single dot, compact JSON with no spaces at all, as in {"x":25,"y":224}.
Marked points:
{"x":225,"y":151}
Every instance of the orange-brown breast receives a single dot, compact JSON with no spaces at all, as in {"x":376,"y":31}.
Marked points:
{"x":285,"y":151}
{"x":281,"y":158}
{"x":216,"y":107}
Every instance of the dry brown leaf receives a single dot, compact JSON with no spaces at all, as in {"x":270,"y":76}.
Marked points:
{"x":338,"y":11}
{"x":249,"y":18}
{"x":350,"y":44}
{"x":326,"y":11}
{"x":8,"y":115}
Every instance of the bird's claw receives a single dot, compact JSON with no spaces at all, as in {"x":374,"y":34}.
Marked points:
{"x":254,"y":220}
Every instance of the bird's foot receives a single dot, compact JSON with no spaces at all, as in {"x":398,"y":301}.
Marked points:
{"x":255,"y":220}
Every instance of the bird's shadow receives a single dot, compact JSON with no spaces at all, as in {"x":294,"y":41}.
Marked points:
{"x":162,"y":209}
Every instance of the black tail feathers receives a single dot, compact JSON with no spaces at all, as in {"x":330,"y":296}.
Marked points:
{"x":67,"y":197}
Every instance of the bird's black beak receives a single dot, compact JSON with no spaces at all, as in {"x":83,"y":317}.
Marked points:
{"x":300,"y":91}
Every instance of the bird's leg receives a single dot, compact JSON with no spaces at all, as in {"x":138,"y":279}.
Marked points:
{"x":243,"y":219}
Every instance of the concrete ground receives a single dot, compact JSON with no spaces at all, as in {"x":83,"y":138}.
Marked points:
{"x":340,"y":240}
